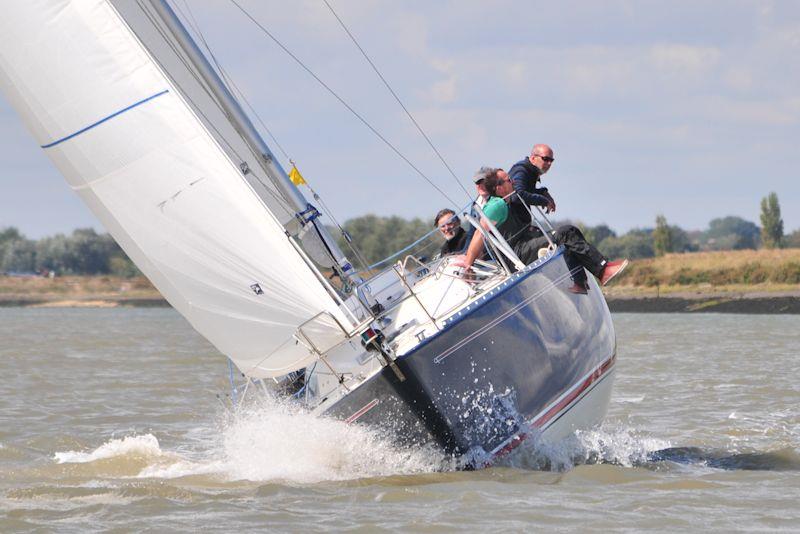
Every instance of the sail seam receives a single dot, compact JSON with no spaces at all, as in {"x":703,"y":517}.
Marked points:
{"x":104,"y":119}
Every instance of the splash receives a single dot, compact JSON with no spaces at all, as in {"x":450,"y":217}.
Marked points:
{"x":138,"y":446}
{"x":621,"y":446}
{"x":627,"y":447}
{"x":274,"y":441}
{"x":617,"y":445}
{"x":270,"y":441}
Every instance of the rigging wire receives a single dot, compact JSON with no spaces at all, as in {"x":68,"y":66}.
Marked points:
{"x":228,"y":80}
{"x":397,"y":98}
{"x":417,"y":242}
{"x":345,"y":234}
{"x":191,"y":71}
{"x":342,"y":101}
{"x":224,"y":75}
{"x":280,"y":200}
{"x":232,"y":86}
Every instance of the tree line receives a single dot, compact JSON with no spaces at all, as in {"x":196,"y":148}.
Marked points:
{"x":375,"y":238}
{"x":379,"y":237}
{"x":724,"y":233}
{"x":83,"y":252}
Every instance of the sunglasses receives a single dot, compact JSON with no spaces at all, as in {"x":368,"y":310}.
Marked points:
{"x":548,"y":159}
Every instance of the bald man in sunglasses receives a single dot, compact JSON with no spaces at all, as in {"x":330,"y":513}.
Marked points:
{"x":526,"y":175}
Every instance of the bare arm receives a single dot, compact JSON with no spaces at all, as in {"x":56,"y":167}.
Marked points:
{"x":475,"y":248}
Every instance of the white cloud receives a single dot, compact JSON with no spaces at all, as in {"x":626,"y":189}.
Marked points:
{"x":596,"y":70}
{"x":444,"y":92}
{"x":684,"y":60}
{"x":620,"y":88}
{"x":739,"y":79}
{"x":782,"y":112}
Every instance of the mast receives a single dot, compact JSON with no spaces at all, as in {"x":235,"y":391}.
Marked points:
{"x":111,"y":98}
{"x":305,"y":212}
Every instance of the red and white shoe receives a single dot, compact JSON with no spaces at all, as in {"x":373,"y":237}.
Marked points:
{"x":612,"y":269}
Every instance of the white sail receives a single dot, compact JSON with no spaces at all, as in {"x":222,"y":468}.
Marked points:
{"x":152,"y":23}
{"x":130,"y":144}
{"x":174,"y":62}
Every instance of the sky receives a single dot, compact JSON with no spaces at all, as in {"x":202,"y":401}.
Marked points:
{"x":690,"y":109}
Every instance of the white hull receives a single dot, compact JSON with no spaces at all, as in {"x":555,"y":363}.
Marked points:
{"x":586,"y":412}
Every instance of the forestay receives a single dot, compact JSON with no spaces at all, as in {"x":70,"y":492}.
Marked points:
{"x":143,"y":158}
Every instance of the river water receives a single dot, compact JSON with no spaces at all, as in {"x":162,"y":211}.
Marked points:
{"x":110,"y":418}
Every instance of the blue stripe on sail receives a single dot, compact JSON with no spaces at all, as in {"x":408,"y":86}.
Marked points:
{"x":101,"y":121}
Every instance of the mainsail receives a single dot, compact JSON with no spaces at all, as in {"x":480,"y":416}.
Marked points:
{"x":159,"y":164}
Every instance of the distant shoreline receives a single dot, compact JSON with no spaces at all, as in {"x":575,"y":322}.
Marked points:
{"x":647,"y":286}
{"x":89,"y":302}
{"x":737,"y":304}
{"x":755,"y":303}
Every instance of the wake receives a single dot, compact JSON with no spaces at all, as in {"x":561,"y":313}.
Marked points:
{"x":266,"y":441}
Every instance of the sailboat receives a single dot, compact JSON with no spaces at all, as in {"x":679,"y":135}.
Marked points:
{"x":127,"y":107}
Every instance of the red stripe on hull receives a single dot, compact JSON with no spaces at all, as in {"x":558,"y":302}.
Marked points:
{"x":542,"y":420}
{"x":370,"y":405}
{"x":558,"y":409}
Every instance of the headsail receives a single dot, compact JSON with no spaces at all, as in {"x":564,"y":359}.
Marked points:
{"x":169,"y":44}
{"x":143,"y":157}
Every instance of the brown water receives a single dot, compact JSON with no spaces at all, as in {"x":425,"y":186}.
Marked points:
{"x":110,"y":419}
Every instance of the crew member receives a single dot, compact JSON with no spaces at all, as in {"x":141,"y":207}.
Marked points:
{"x":510,"y":222}
{"x":449,"y":226}
{"x":526,"y":175}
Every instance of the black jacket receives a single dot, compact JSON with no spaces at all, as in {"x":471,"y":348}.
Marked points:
{"x":456,"y":245}
{"x":525,"y":175}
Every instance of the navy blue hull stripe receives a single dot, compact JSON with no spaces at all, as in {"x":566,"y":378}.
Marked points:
{"x":101,"y":121}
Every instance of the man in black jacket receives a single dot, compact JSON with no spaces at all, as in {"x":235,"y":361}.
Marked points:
{"x":526,"y":174}
{"x":449,"y":226}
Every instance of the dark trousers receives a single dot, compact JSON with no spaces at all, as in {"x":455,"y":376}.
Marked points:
{"x":579,"y":251}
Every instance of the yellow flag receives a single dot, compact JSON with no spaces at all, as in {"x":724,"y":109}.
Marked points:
{"x":296,"y":177}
